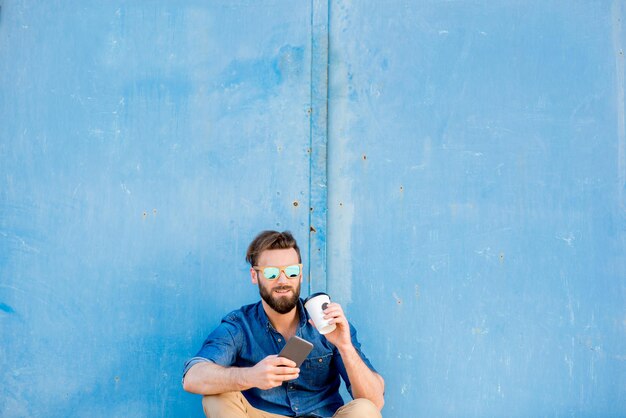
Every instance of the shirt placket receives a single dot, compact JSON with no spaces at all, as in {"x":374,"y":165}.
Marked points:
{"x":289,"y":386}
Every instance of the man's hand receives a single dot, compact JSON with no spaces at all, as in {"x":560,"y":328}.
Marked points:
{"x":270,"y":372}
{"x":365,"y":383}
{"x":340,"y":337}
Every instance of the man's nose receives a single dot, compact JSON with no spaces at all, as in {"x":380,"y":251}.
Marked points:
{"x":282,"y":278}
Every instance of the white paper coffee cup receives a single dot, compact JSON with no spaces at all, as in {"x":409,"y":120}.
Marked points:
{"x":315,"y":305}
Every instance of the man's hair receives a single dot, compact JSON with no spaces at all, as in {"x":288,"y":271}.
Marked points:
{"x":271,"y":240}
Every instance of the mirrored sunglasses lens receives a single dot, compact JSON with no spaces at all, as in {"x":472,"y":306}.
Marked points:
{"x":271,"y":273}
{"x":292,"y":271}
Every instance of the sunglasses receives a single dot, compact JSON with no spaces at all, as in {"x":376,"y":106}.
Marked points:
{"x":273,"y":272}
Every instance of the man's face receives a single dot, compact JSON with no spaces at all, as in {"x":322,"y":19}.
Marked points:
{"x":280,"y":294}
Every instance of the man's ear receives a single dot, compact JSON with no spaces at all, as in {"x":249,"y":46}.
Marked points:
{"x":253,"y":276}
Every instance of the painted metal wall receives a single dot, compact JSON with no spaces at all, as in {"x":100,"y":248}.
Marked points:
{"x":143,"y":144}
{"x":477,"y":222}
{"x":474,"y":226}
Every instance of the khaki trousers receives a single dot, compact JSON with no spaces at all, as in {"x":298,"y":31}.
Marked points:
{"x":235,"y":405}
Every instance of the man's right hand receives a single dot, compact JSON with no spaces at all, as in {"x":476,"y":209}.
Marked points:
{"x":270,"y":372}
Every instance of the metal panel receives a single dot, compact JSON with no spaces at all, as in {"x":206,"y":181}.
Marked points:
{"x":476,"y":214}
{"x":319,"y":131}
{"x":142,"y":145}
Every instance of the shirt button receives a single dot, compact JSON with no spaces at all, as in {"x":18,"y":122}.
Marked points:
{"x":295,"y":408}
{"x":279,"y":340}
{"x":320,"y":360}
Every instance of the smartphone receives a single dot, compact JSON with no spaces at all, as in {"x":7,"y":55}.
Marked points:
{"x":296,"y":350}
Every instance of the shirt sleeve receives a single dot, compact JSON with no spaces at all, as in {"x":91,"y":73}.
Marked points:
{"x":342,"y":368}
{"x":220,"y":347}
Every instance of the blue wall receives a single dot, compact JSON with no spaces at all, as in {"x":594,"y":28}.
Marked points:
{"x":477,"y":221}
{"x":142,"y":147}
{"x":468,"y":183}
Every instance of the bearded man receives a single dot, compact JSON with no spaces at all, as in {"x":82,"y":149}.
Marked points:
{"x":240,"y":375}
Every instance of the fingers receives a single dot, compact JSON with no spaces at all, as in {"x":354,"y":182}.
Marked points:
{"x":334,"y":313}
{"x":286,"y":372}
{"x":284,"y":368}
{"x":283,"y":361}
{"x":272,"y":371}
{"x":277,"y":379}
{"x":274,"y":360}
{"x":333,"y":308}
{"x":288,"y":376}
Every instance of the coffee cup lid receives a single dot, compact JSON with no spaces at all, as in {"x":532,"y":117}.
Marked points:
{"x":314,"y":295}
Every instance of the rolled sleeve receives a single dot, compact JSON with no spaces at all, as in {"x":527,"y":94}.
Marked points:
{"x":220,"y":347}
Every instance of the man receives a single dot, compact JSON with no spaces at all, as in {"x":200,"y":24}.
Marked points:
{"x":237,"y":368}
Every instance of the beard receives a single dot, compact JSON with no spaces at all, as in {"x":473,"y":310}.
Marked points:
{"x":281,"y":304}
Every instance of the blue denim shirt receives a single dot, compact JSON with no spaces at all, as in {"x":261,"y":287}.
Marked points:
{"x":245,"y":337}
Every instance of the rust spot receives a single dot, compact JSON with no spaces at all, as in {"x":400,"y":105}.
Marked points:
{"x":308,"y":150}
{"x":309,"y":111}
{"x":341,"y":204}
{"x":401,"y":188}
{"x":154,"y":211}
{"x":313,"y":229}
{"x":501,"y":257}
{"x":364,"y":157}
{"x":145,"y":214}
{"x":311,"y":209}
{"x":295,"y":203}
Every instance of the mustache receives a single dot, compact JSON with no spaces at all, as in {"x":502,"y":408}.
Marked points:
{"x":283,"y":288}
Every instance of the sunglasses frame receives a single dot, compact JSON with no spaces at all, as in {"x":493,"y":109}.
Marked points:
{"x":281,"y":269}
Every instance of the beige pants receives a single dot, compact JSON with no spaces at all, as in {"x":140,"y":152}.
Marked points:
{"x":235,"y":405}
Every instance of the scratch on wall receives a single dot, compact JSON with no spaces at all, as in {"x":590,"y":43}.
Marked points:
{"x":480,"y":331}
{"x":6,"y":308}
{"x":568,"y":239}
{"x":404,"y":389}
{"x":397,"y":298}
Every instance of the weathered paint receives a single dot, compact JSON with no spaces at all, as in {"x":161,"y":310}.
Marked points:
{"x":617,"y":14}
{"x":480,"y":146}
{"x":318,"y":207}
{"x":142,"y":145}
{"x":464,"y":162}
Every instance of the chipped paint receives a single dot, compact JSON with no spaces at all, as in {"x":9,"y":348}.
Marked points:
{"x":6,"y":308}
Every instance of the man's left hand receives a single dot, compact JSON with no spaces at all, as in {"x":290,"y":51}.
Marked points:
{"x":340,"y":337}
